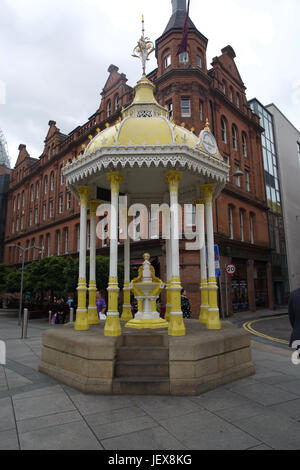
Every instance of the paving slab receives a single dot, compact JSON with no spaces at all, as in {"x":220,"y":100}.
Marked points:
{"x":206,"y":431}
{"x":35,"y":424}
{"x":34,"y":407}
{"x":220,"y":399}
{"x":128,"y":426}
{"x":75,"y":435}
{"x":114,"y":416}
{"x":290,"y":409}
{"x":90,"y":404}
{"x":7,"y":419}
{"x":9,"y":440}
{"x":151,"y":439}
{"x":274,"y":430}
{"x":263,"y":393}
{"x":238,"y":413}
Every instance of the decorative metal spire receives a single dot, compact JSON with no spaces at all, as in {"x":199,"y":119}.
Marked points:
{"x":144,"y":48}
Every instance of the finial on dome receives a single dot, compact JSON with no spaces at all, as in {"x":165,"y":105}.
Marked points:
{"x":144,"y":48}
{"x":207,"y":127}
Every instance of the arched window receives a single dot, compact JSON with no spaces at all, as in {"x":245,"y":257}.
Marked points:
{"x":234,"y":137}
{"x":230,"y":222}
{"x":199,"y":61}
{"x":224,"y":130}
{"x":231,"y":94}
{"x":23,"y":199}
{"x":52,"y":181}
{"x":18,"y":203}
{"x":244,"y":141}
{"x":32,"y":193}
{"x":37,"y":190}
{"x":224,"y":87}
{"x":117,"y":100}
{"x":62,"y":178}
{"x":108,"y":109}
{"x":242,"y":226}
{"x":238,"y":100}
{"x":58,"y":242}
{"x":46,"y":184}
{"x":251,"y":221}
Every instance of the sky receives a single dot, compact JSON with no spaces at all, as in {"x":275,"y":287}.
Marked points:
{"x":54,"y":56}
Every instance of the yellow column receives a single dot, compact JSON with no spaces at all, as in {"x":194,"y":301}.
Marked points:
{"x":168,"y":281}
{"x":112,"y":324}
{"x":93,"y":318}
{"x":81,"y":323}
{"x":176,"y":325}
{"x":126,"y":312}
{"x":203,"y":282}
{"x":213,"y":320}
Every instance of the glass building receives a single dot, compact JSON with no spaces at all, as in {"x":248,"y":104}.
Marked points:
{"x":273,"y":195}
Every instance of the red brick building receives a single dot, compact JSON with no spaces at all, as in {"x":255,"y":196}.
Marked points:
{"x":41,"y":211}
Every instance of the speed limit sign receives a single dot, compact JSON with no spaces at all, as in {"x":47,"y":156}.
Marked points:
{"x":231,"y":269}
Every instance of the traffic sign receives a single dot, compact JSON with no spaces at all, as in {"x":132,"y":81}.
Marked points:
{"x":231,"y":269}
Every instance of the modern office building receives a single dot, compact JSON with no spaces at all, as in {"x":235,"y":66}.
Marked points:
{"x":287,"y":139}
{"x":272,"y":176}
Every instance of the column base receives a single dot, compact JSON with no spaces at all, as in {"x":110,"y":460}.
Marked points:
{"x":126,"y":313}
{"x":145,"y":324}
{"x":213,"y":322}
{"x":204,"y":314}
{"x":112,"y":325}
{"x":81,"y":323}
{"x":93,"y":318}
{"x":176,"y":325}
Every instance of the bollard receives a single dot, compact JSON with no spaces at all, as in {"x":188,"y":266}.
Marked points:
{"x":50,"y":317}
{"x":25,"y":323}
{"x":71,"y":315}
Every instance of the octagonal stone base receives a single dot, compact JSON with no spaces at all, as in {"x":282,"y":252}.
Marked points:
{"x":148,"y":362}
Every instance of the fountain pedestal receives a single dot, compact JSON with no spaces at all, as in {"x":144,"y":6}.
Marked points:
{"x":146,"y":289}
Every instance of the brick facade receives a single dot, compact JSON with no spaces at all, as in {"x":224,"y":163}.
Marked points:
{"x":41,"y":211}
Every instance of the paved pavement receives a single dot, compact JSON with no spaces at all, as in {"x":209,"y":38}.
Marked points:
{"x":261,"y":412}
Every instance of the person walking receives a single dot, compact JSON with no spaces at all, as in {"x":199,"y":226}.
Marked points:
{"x":294,"y":316}
{"x":101,"y":305}
{"x":185,"y":305}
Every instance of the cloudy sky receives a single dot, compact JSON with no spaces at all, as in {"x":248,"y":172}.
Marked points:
{"x":54,"y":55}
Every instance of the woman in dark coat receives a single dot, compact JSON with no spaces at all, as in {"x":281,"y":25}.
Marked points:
{"x":294,"y":316}
{"x":185,"y":305}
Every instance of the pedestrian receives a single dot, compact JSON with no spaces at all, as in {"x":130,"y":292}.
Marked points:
{"x":185,"y":305}
{"x":101,"y":305}
{"x":60,"y":312}
{"x":294,"y":316}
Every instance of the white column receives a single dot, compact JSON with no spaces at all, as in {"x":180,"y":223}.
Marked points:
{"x":81,"y":323}
{"x":112,"y":324}
{"x":213,"y":321}
{"x":92,"y":310}
{"x":176,"y":326}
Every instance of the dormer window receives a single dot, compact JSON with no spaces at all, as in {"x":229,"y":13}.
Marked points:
{"x":199,"y":62}
{"x":184,"y":58}
{"x":167,"y":61}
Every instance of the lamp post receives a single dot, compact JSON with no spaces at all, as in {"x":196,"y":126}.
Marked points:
{"x":22,"y":273}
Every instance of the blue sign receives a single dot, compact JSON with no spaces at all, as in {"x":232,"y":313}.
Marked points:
{"x":217,"y":260}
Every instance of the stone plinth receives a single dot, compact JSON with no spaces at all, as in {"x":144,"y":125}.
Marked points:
{"x":153,"y":363}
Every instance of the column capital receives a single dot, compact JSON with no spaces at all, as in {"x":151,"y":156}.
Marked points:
{"x":93,"y":206}
{"x":173,"y":177}
{"x":208,"y":191}
{"x":199,"y":201}
{"x":84,"y":192}
{"x":115,"y":178}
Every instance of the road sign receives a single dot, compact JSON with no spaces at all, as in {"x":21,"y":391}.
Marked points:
{"x":231,"y":269}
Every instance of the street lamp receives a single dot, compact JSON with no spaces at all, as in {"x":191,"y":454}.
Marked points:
{"x":22,"y":272}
